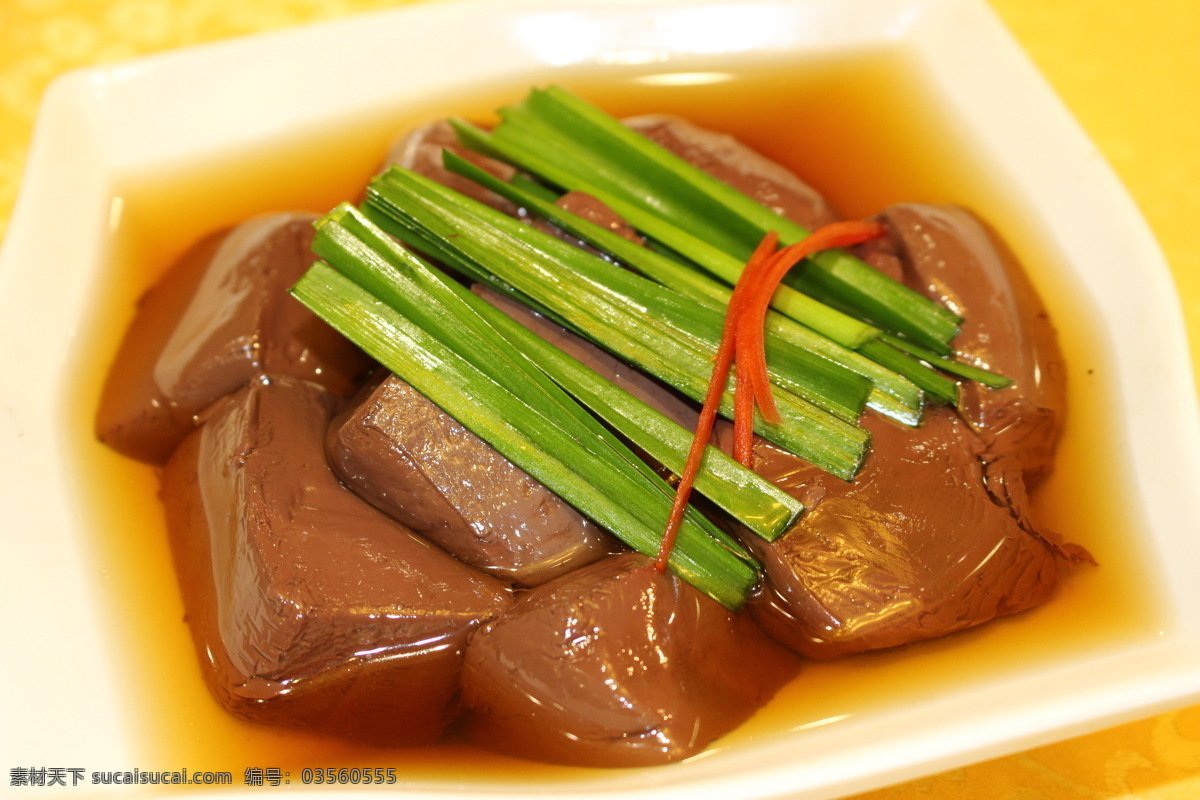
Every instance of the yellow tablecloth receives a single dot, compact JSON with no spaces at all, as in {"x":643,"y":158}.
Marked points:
{"x":1129,"y":71}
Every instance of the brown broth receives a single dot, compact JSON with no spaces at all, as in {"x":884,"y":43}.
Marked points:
{"x":860,"y":129}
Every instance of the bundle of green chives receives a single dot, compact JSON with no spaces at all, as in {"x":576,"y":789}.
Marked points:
{"x":460,"y":352}
{"x":849,"y":338}
{"x":888,"y":392}
{"x":644,"y":323}
{"x":566,"y":142}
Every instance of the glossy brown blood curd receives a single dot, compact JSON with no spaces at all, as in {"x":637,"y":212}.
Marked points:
{"x":948,"y":256}
{"x":401,"y":452}
{"x":913,"y":549}
{"x":220,"y":317}
{"x":308,"y":607}
{"x":616,"y":664}
{"x":935,"y":534}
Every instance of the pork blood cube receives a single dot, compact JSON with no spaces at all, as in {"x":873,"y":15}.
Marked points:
{"x":616,"y":664}
{"x":914,"y":548}
{"x":936,"y":534}
{"x":218,"y":318}
{"x":948,"y":255}
{"x":404,"y":454}
{"x":308,"y":607}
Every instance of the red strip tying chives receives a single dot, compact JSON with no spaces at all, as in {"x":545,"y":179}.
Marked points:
{"x":750,"y":345}
{"x":751,"y":364}
{"x":748,"y":385}
{"x":743,"y":338}
{"x":712,"y":402}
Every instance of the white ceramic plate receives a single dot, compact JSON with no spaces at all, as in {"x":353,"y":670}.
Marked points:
{"x":59,"y":684}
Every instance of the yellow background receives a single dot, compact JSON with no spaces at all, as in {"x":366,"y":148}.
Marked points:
{"x":1129,"y":71}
